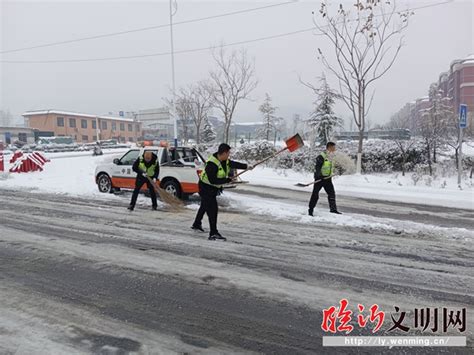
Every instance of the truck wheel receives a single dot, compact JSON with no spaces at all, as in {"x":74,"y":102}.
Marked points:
{"x":104,"y":183}
{"x":172,"y":187}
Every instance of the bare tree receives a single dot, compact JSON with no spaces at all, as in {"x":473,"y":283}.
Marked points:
{"x":401,"y":121}
{"x":234,"y":80}
{"x":451,"y":134}
{"x":200,"y":97}
{"x":183,"y":108}
{"x":193,"y":104}
{"x":363,"y":40}
{"x":433,"y":123}
{"x":404,"y":146}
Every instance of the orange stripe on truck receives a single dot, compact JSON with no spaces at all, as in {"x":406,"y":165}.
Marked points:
{"x":127,"y":183}
{"x":189,"y":187}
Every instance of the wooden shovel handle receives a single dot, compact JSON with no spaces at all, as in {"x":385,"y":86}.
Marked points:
{"x":262,"y":161}
{"x":315,"y":182}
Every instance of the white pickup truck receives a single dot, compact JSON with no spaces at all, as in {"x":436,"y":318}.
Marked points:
{"x":179,"y":170}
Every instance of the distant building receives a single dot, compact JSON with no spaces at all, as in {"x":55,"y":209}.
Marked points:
{"x":151,"y":118}
{"x":9,"y":135}
{"x":156,"y":123}
{"x":83,"y":127}
{"x":245,"y":128}
{"x":457,"y":84}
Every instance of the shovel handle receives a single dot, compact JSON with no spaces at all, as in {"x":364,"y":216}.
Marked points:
{"x":262,"y":161}
{"x":315,"y":182}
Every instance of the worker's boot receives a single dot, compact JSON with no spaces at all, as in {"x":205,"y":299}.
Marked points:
{"x":130,"y":207}
{"x":310,"y":212}
{"x":332,"y":206}
{"x":197,"y":227}
{"x":217,"y":236}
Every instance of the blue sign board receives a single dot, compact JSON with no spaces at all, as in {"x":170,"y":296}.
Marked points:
{"x":121,"y":113}
{"x":462,"y":116}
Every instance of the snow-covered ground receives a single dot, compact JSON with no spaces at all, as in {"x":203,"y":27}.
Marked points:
{"x":89,"y":275}
{"x":296,"y":212}
{"x":277,"y":257}
{"x":390,"y":187}
{"x":67,"y":173}
{"x":73,"y":173}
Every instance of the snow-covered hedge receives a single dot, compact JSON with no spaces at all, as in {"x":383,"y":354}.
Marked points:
{"x":206,"y":149}
{"x":344,"y":164}
{"x":384,"y":155}
{"x":379,"y":156}
{"x":253,"y":152}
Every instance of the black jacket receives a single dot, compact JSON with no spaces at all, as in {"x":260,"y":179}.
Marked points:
{"x":153,"y":160}
{"x":211,"y":171}
{"x":317,"y":169}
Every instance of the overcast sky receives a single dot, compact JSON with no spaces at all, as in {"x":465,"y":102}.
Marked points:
{"x":435,"y":37}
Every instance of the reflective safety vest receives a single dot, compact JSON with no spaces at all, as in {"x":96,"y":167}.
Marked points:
{"x":326,"y":169}
{"x":221,"y":173}
{"x":150,"y":171}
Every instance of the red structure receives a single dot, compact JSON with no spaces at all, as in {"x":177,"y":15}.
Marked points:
{"x":26,"y":163}
{"x":16,"y":155}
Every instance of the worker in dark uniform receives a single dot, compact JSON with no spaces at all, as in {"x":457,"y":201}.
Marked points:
{"x":324,"y":172}
{"x":145,"y":166}
{"x":214,"y":175}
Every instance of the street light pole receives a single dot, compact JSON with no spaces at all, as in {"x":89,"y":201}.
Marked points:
{"x":462,"y":125}
{"x":173,"y":106}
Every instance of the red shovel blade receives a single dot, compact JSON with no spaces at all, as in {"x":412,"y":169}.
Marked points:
{"x":294,"y":143}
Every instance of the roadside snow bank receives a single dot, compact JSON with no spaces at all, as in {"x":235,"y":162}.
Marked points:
{"x":67,"y":175}
{"x":299,"y":214}
{"x":390,"y":187}
{"x":74,"y":175}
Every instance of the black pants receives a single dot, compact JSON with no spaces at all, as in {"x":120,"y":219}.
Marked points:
{"x":139,"y":182}
{"x":329,"y":188}
{"x":209,"y":206}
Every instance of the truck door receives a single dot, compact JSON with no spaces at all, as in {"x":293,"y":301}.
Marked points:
{"x":123,"y":176}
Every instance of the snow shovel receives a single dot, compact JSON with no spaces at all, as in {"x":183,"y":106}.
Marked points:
{"x":292,"y":144}
{"x":313,"y":182}
{"x":172,"y":201}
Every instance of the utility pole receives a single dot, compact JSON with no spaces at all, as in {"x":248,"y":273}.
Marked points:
{"x":135,"y":126}
{"x":97,"y":128}
{"x":173,"y":106}
{"x":462,"y":125}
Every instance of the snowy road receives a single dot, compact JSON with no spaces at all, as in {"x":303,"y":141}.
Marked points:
{"x":86,"y":276}
{"x":440,"y":216}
